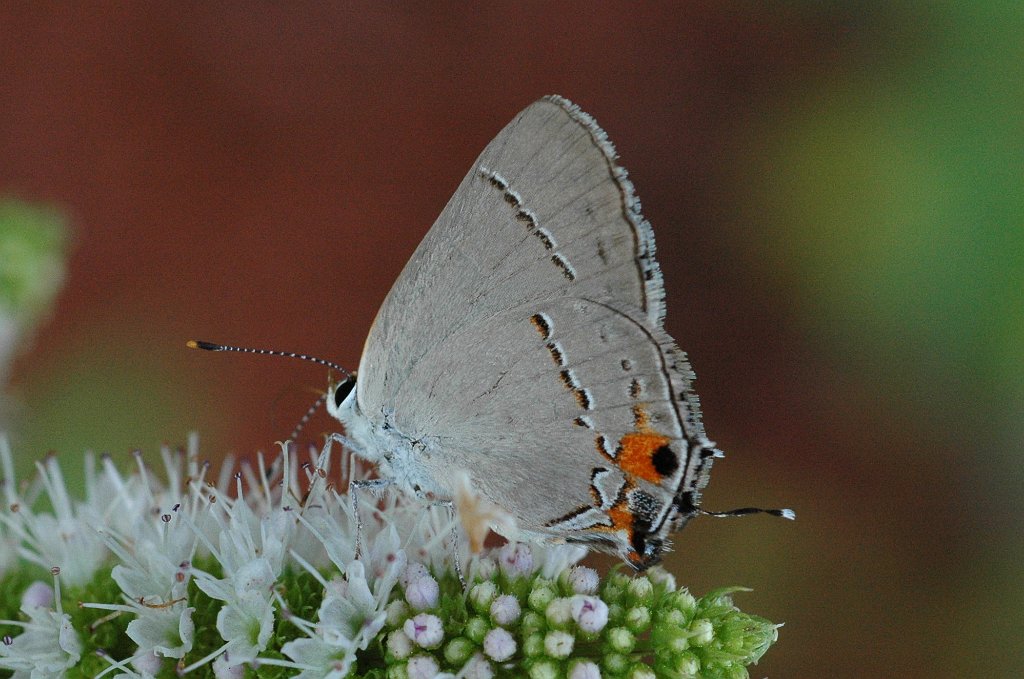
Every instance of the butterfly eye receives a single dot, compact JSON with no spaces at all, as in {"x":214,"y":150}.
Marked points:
{"x":343,"y":390}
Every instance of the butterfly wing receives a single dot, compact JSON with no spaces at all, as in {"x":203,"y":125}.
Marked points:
{"x":570,"y":414}
{"x":523,"y":344}
{"x":544,"y":211}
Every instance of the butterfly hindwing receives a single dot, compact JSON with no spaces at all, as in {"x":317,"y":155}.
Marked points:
{"x":567,"y":413}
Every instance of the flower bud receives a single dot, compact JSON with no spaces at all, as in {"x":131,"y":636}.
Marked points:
{"x":621,"y":640}
{"x":544,"y":669}
{"x":584,"y":669}
{"x":701,"y":632}
{"x":583,"y":580}
{"x":516,"y":559}
{"x":425,"y":630}
{"x":505,"y":610}
{"x":422,"y":593}
{"x":481,"y":595}
{"x":399,"y":645}
{"x":499,"y":645}
{"x":422,"y":667}
{"x":558,"y":644}
{"x":540,"y":596}
{"x":590,"y":613}
{"x":638,"y":619}
{"x":458,"y":650}
{"x":559,"y":612}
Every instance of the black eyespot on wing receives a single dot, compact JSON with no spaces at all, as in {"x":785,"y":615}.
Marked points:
{"x":342,"y":391}
{"x":665,"y":461}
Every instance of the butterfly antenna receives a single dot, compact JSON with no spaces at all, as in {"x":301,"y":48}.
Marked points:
{"x":742,"y":511}
{"x":293,"y":437}
{"x":211,"y":346}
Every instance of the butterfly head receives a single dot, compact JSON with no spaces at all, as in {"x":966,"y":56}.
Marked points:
{"x":341,"y":397}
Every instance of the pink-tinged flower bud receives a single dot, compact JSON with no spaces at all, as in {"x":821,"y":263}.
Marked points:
{"x":590,"y":613}
{"x":516,"y":559}
{"x":505,"y":610}
{"x":499,"y":645}
{"x":422,"y":667}
{"x":583,"y":580}
{"x":422,"y":593}
{"x":585,"y":670}
{"x":425,"y":630}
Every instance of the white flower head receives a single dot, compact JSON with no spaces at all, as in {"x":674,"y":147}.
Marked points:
{"x":165,"y":631}
{"x":47,"y":645}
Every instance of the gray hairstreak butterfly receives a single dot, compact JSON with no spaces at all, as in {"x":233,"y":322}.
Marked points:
{"x":519,"y":368}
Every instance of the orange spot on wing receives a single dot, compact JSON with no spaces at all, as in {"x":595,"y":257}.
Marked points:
{"x":622,"y":518}
{"x":636,"y":454}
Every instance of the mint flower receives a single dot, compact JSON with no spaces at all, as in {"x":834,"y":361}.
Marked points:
{"x":256,"y":574}
{"x":48,"y":644}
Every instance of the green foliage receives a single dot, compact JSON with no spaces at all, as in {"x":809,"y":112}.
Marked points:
{"x":32,"y":243}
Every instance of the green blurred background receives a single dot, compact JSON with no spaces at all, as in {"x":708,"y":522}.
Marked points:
{"x":836,"y":189}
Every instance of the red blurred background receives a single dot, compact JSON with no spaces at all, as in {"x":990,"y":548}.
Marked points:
{"x":258,"y":174}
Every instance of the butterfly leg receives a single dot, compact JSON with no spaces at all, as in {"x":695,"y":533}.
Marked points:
{"x":354,"y":488}
{"x":345,"y":441}
{"x":449,"y":505}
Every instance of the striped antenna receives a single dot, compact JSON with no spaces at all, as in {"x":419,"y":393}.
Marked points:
{"x":211,"y":346}
{"x":294,"y":436}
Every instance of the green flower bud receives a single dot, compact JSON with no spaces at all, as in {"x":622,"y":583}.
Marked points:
{"x":701,"y":632}
{"x":612,"y":593}
{"x":616,"y":664}
{"x":673,"y":617}
{"x":540,"y":597}
{"x":397,"y":611}
{"x":399,"y":645}
{"x":621,"y":640}
{"x":638,"y":619}
{"x":641,"y":672}
{"x":544,"y":669}
{"x":662,"y":579}
{"x":683,"y":601}
{"x":477,"y":629}
{"x":677,"y":643}
{"x":686,"y":664}
{"x":459,"y":650}
{"x":532,"y":622}
{"x":533,"y":645}
{"x":619,"y":579}
{"x":481,"y":596}
{"x":640,"y":590}
{"x":746,"y":637}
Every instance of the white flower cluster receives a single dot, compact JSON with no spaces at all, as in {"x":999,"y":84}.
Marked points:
{"x":251,"y":531}
{"x":258,"y":570}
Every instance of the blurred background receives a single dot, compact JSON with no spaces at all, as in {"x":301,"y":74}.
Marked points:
{"x":836,"y":190}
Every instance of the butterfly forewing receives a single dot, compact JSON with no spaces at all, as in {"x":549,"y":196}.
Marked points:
{"x":543,"y":212}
